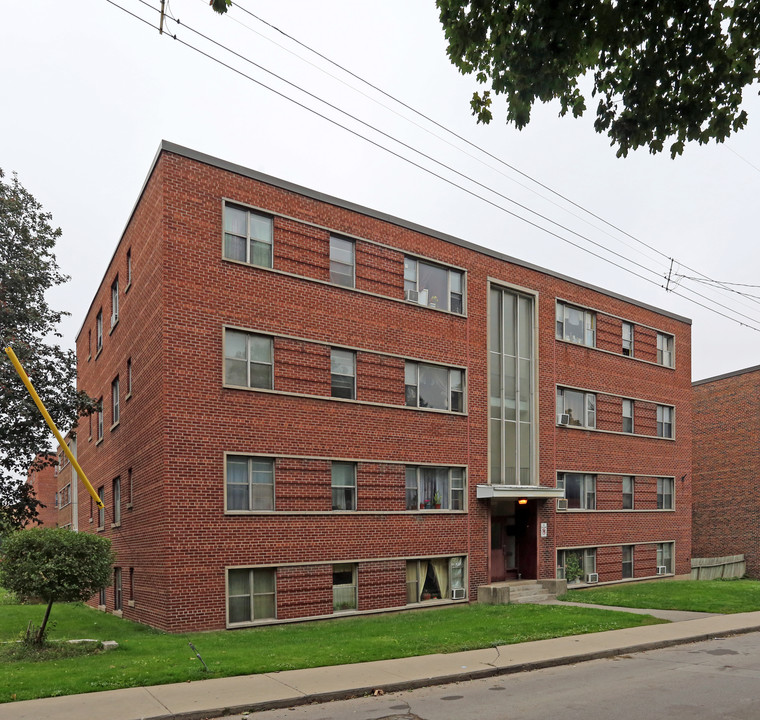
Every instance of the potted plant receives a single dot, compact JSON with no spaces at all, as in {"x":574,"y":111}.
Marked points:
{"x":437,"y":500}
{"x":573,"y":569}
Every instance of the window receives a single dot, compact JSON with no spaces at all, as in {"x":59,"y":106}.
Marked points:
{"x":665,"y":556}
{"x":437,"y":488}
{"x":117,"y":588}
{"x":628,"y":483}
{"x":664,"y":421}
{"x":343,"y":486}
{"x":99,"y":418}
{"x":433,"y":285}
{"x":101,"y":508}
{"x":628,"y":339}
{"x":89,"y":344}
{"x":99,"y":332}
{"x":129,"y":487}
{"x":580,"y":490}
{"x":511,"y":387}
{"x":343,"y":374}
{"x":627,"y":416}
{"x":129,"y":377}
{"x":102,"y":597}
{"x":250,"y":595}
{"x":131,"y":585}
{"x":434,"y":386}
{"x":115,"y":401}
{"x":584,"y":564}
{"x":247,"y":236}
{"x":64,"y":496}
{"x":344,"y":587}
{"x":578,"y":406}
{"x":116,"y":501}
{"x":115,"y":302}
{"x":250,"y":483}
{"x":129,"y":269}
{"x":664,"y":493}
{"x":627,"y":561}
{"x":247,"y":359}
{"x":342,"y":262}
{"x":436,"y":579}
{"x":576,"y":325}
{"x":664,"y":350}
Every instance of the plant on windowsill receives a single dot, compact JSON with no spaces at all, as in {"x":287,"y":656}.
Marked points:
{"x":573,"y":569}
{"x":434,"y":301}
{"x":437,"y":501}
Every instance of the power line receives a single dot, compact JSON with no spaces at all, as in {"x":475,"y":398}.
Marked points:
{"x":425,"y":169}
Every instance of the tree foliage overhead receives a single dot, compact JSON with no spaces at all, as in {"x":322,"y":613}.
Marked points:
{"x":664,"y":71}
{"x":28,"y":269}
{"x":55,"y":565}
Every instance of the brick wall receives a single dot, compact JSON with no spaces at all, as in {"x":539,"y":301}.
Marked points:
{"x":180,"y":422}
{"x":726,"y":513}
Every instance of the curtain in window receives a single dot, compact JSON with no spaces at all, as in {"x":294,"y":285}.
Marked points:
{"x":413,"y":590}
{"x":441,"y":571}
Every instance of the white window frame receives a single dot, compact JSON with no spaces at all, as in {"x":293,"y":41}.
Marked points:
{"x":455,"y":279}
{"x":129,"y":377}
{"x":248,"y":238}
{"x":334,"y":353}
{"x":632,"y":480}
{"x":628,"y":416}
{"x":99,"y":419}
{"x":116,"y":500}
{"x":627,"y":332}
{"x":589,"y":407}
{"x":666,"y":421}
{"x":346,"y":595}
{"x":114,"y":302}
{"x":338,"y":266}
{"x":454,"y":563}
{"x":129,"y":269}
{"x":666,"y":493}
{"x":589,"y":324}
{"x":665,"y":349}
{"x":252,"y":595}
{"x":336,"y":486}
{"x":251,"y":462}
{"x":247,"y":360}
{"x":632,"y":550}
{"x":587,"y":489}
{"x":115,"y":402}
{"x":117,"y":589}
{"x":99,"y":331}
{"x":412,"y":372}
{"x":456,"y":494}
{"x":101,"y":508}
{"x":587,"y":562}
{"x":665,"y":556}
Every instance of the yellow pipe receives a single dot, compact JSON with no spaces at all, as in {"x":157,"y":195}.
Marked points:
{"x":25,"y":379}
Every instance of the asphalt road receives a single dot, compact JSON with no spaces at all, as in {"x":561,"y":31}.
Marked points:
{"x":707,"y":680}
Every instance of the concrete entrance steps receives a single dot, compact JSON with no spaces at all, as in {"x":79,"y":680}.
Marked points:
{"x":520,"y":591}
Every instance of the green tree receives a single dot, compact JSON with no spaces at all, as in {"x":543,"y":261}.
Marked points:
{"x":663,"y":70}
{"x":28,"y":269}
{"x":55,"y":565}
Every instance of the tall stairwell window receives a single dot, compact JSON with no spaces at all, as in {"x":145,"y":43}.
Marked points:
{"x":510,"y":343}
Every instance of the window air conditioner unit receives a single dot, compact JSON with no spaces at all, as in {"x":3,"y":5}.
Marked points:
{"x":561,"y":504}
{"x":458,"y":594}
{"x":564,"y":419}
{"x":592,"y":578}
{"x":411,"y":295}
{"x":662,"y":569}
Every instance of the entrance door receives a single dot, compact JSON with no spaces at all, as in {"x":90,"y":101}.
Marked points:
{"x":503,"y":549}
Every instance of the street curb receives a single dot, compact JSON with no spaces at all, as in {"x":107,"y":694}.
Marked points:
{"x":317,"y":698}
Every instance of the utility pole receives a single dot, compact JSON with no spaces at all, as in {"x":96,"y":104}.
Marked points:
{"x":161,"y":21}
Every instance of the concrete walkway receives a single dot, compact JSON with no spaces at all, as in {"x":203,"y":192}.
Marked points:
{"x":212,"y":698}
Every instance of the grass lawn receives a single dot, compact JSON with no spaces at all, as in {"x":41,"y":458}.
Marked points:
{"x":715,"y":596}
{"x":150,"y":657}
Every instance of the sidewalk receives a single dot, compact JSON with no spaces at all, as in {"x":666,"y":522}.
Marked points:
{"x":211,"y":698}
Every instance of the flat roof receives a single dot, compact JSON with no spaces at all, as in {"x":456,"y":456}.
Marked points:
{"x":725,"y":376}
{"x":167,"y":146}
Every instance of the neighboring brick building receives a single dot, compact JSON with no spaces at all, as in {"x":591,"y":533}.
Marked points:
{"x":726,"y":510}
{"x":297,"y":418}
{"x":44,"y":481}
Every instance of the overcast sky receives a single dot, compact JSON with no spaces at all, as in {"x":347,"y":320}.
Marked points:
{"x":88,"y":92}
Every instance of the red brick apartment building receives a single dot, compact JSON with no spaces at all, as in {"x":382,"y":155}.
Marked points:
{"x":726,"y":510}
{"x":44,"y":482}
{"x":311,"y":408}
